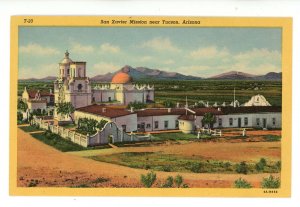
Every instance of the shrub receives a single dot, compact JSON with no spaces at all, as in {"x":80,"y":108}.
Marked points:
{"x":241,"y":183}
{"x":195,"y":167}
{"x":278,"y":165}
{"x":260,"y":166}
{"x":185,"y":185}
{"x":178,"y":180}
{"x":166,"y":168}
{"x":242,"y":168}
{"x":33,"y":183}
{"x":148,"y":179}
{"x":101,"y":180}
{"x":270,"y":182}
{"x":169,"y":183}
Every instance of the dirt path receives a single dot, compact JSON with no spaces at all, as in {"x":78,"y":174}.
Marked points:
{"x":42,"y":165}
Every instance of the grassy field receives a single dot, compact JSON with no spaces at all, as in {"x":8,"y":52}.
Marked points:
{"x":178,"y":163}
{"x":58,"y":142}
{"x":29,"y":128}
{"x":205,"y":90}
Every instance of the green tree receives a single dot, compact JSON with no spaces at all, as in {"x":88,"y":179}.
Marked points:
{"x":65,"y":109}
{"x":22,"y":105}
{"x":209,"y":119}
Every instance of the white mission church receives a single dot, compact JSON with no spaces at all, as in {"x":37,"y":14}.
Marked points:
{"x":72,"y":85}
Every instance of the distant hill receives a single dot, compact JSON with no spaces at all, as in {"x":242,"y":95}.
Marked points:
{"x":48,"y":78}
{"x":142,"y":73}
{"x":270,"y":76}
{"x":233,"y":75}
{"x":236,"y":75}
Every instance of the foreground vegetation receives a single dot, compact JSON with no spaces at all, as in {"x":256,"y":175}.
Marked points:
{"x":177,"y":163}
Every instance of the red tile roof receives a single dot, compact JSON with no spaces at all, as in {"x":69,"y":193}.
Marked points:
{"x":187,"y":117}
{"x":176,"y":111}
{"x":32,"y":93}
{"x":105,"y":111}
{"x":250,"y":109}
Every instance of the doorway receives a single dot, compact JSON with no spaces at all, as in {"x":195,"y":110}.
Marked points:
{"x":264,"y":123}
{"x":239,"y":122}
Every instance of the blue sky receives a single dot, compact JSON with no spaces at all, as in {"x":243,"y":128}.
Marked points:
{"x":192,"y":51}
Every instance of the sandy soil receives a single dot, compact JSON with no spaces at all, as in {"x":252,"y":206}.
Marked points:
{"x":41,"y":164}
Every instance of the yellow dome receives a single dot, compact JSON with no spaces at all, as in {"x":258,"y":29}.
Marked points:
{"x":121,"y":77}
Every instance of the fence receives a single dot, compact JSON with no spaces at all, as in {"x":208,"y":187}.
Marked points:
{"x":75,"y":137}
{"x":110,"y":133}
{"x":211,"y":132}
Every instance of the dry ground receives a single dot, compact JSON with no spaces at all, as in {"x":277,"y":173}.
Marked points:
{"x":41,"y":164}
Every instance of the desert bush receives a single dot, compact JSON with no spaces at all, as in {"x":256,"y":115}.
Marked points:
{"x":166,"y":168}
{"x":185,"y":185}
{"x":241,"y":183}
{"x":168,"y":183}
{"x":178,"y":180}
{"x":148,"y":179}
{"x":195,"y":167}
{"x":242,"y":168}
{"x":260,"y":166}
{"x":101,"y":180}
{"x":278,"y":165}
{"x":270,"y":182}
{"x":33,"y":183}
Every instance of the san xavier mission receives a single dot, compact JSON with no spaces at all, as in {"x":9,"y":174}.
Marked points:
{"x":141,"y":127}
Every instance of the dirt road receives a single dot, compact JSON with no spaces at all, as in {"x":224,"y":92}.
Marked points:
{"x":41,"y":165}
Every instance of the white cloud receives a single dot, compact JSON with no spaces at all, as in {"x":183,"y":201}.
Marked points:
{"x":209,"y":52}
{"x":168,"y":62}
{"x":259,"y":54}
{"x":160,"y":44}
{"x":79,"y":48}
{"x":103,"y":67}
{"x":36,"y":49}
{"x":107,"y":47}
{"x":146,"y":58}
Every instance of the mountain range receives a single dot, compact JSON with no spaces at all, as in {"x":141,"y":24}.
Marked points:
{"x":143,"y":73}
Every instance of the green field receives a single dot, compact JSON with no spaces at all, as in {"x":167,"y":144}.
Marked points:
{"x":179,"y":163}
{"x":205,"y":90}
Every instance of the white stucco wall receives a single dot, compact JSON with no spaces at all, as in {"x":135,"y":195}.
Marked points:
{"x":129,"y":120}
{"x":161,"y":122}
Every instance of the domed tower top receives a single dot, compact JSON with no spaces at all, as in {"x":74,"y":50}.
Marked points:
{"x":66,"y":59}
{"x":121,"y":78}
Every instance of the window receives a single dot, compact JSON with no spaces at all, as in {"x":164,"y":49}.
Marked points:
{"x":246,"y":121}
{"x":138,"y":126}
{"x":166,"y":124}
{"x":274,"y":121}
{"x":230,"y":121}
{"x":176,"y":123}
{"x":68,"y":71}
{"x":220,"y":122}
{"x":79,"y":87}
{"x":257,"y":121}
{"x":156,"y":124}
{"x":124,"y":128}
{"x":148,"y":126}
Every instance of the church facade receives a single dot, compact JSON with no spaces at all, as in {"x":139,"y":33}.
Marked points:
{"x":72,"y":85}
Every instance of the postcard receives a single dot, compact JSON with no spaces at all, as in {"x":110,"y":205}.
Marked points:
{"x":150,"y":106}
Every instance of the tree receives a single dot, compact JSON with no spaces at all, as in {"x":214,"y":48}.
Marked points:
{"x":22,"y":105}
{"x":65,"y":108}
{"x":209,"y":119}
